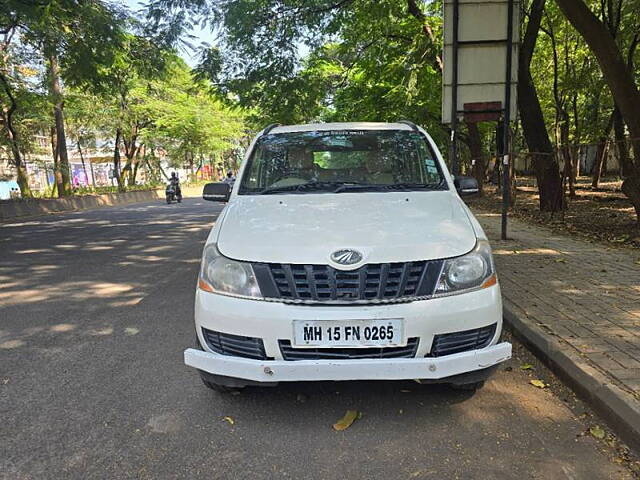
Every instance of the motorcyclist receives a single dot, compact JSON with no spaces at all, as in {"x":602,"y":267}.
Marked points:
{"x":175,"y":183}
{"x":230,"y":178}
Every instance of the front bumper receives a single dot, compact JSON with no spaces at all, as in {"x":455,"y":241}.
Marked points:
{"x":272,"y":321}
{"x":373,"y":369}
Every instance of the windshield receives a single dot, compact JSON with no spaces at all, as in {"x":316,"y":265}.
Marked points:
{"x":340,"y":161}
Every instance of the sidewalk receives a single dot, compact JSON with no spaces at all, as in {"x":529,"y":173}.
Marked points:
{"x":578,"y":304}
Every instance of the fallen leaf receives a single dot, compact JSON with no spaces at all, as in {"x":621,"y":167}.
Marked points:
{"x":560,"y":260}
{"x":526,"y":366}
{"x":230,"y":420}
{"x":346,"y":421}
{"x":537,"y":383}
{"x":597,"y":432}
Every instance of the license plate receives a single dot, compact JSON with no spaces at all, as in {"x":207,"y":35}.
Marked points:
{"x":348,"y":333}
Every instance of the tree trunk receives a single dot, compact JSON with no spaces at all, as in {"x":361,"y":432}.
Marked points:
{"x":57,"y":174}
{"x":116,"y":159}
{"x":621,"y":82}
{"x":624,"y":161}
{"x":566,"y":153}
{"x":64,"y":188}
{"x":614,"y":68}
{"x":134,"y":173}
{"x":84,"y":167}
{"x":601,"y":154}
{"x":535,"y":132}
{"x":12,"y":134}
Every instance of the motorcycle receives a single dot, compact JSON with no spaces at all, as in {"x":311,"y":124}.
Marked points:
{"x":172,"y":192}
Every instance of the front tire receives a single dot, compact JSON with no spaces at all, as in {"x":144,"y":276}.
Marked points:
{"x":468,"y":387}
{"x":168,"y":199}
{"x":216,"y":387}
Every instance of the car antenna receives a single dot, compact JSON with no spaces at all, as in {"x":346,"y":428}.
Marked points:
{"x":413,"y":126}
{"x":269,"y":128}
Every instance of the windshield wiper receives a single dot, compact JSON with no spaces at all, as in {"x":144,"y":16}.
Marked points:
{"x":305,"y":187}
{"x":416,"y":186}
{"x":405,"y":186}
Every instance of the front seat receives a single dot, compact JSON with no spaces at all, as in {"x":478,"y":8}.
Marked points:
{"x":379,"y":171}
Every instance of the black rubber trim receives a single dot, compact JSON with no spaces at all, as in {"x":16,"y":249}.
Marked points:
{"x":269,"y":128}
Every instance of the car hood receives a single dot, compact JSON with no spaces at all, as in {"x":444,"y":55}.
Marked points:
{"x":383,"y":227}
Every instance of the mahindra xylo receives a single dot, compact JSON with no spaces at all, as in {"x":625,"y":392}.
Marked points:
{"x":346,"y":253}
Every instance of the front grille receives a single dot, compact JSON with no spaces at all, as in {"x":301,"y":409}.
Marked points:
{"x":456,"y":342}
{"x":291,"y":353}
{"x":235,"y":345}
{"x":373,"y":282}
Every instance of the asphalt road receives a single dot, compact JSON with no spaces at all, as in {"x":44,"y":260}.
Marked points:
{"x":95,"y":311}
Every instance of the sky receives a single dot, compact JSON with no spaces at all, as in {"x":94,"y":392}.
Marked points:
{"x":200,"y":34}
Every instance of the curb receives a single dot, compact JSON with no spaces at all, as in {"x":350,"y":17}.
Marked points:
{"x":33,"y":208}
{"x":619,"y":409}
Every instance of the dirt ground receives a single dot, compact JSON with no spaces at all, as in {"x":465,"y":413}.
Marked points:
{"x":603,"y":215}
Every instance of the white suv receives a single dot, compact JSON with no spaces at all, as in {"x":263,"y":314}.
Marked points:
{"x":346,"y":253}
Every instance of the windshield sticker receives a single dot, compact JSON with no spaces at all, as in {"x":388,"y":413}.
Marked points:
{"x":430,"y":162}
{"x":346,"y":132}
{"x":431,"y":169}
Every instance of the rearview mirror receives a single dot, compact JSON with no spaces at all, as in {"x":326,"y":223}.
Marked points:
{"x":466,"y":186}
{"x":216,"y":192}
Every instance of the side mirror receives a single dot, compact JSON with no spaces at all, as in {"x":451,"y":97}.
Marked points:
{"x":466,"y":186}
{"x":216,"y":192}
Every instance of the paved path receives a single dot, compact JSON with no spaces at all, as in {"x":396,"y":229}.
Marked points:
{"x":585,"y":294}
{"x":95,"y":311}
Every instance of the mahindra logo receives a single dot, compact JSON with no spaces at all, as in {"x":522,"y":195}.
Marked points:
{"x":346,"y":256}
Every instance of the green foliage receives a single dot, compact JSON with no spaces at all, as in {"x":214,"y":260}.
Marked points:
{"x":189,"y":122}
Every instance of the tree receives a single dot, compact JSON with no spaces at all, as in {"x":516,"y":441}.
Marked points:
{"x":136,"y":64}
{"x":620,"y":80}
{"x":189,"y":122}
{"x":74,"y":37}
{"x":12,"y":81}
{"x":533,"y":124}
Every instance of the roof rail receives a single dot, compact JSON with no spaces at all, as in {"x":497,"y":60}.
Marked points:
{"x":413,"y":126}
{"x":269,"y":128}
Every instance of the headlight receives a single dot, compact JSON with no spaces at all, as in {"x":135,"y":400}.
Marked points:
{"x":219,"y":274}
{"x":469,"y":272}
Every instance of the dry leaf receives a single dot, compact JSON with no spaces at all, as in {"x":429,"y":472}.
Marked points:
{"x":526,"y":366}
{"x":597,"y":432}
{"x":346,"y":421}
{"x":537,"y":383}
{"x":560,"y":260}
{"x":230,"y":420}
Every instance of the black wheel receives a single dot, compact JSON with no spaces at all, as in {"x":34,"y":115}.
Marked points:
{"x":206,"y":379}
{"x":468,"y":387}
{"x":179,"y":199}
{"x":217,"y":388}
{"x":168,"y":199}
